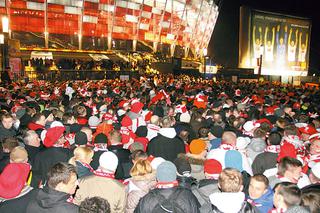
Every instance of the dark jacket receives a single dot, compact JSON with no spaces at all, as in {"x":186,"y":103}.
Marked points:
{"x":18,"y":205}
{"x":44,"y":160}
{"x":32,"y":152}
{"x":186,"y":126}
{"x":245,"y":208}
{"x":186,"y":200}
{"x":166,"y":145}
{"x":95,"y":159}
{"x":82,"y":171}
{"x":186,"y":182}
{"x":51,"y":201}
{"x":5,"y":133}
{"x":125,"y":164}
{"x":4,"y":161}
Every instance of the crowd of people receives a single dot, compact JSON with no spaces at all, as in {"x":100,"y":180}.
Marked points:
{"x":159,"y":144}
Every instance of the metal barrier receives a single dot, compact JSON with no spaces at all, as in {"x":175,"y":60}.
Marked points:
{"x":80,"y":75}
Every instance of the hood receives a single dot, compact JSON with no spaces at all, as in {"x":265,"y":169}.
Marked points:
{"x":168,"y":132}
{"x":223,"y":200}
{"x":257,"y":144}
{"x":48,"y":198}
{"x":266,"y":199}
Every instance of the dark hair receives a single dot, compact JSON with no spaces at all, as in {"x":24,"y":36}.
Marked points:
{"x":274,"y":138}
{"x":60,"y":172}
{"x":37,"y":117}
{"x":287,"y":162}
{"x":10,"y":143}
{"x":94,"y":205}
{"x":261,"y":178}
{"x":203,"y":132}
{"x":290,"y":192}
{"x":138,"y":154}
{"x":290,"y":130}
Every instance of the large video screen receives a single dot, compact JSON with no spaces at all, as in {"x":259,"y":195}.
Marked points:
{"x":282,"y":41}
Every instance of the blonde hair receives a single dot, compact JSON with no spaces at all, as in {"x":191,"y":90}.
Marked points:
{"x":80,"y":154}
{"x":230,"y":180}
{"x":141,"y":167}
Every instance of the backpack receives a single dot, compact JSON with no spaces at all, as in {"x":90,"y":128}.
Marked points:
{"x":167,"y":204}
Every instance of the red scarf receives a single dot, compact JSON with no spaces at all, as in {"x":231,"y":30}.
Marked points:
{"x":272,"y":148}
{"x":226,"y":147}
{"x":276,"y":211}
{"x":154,"y":127}
{"x":167,"y":185}
{"x":101,"y":173}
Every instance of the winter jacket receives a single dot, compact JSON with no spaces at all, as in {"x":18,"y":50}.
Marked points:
{"x":186,"y":126}
{"x":186,"y":182}
{"x":196,"y":166}
{"x":82,"y":171}
{"x":125,"y":164}
{"x":45,"y":160}
{"x":215,"y":143}
{"x":185,"y":200}
{"x":32,"y":152}
{"x":263,"y":162}
{"x":138,"y":187}
{"x":229,"y":202}
{"x":51,"y":201}
{"x":256,"y":147}
{"x":166,"y":145}
{"x":297,"y":209}
{"x":19,"y":204}
{"x":265,"y":202}
{"x":110,"y":189}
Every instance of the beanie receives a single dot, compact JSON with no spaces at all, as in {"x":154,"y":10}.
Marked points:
{"x":242,"y":143}
{"x":50,"y":136}
{"x":233,"y":159}
{"x":137,"y":107}
{"x":166,"y":172}
{"x":93,"y":122}
{"x":217,"y":131}
{"x":126,"y":121}
{"x":81,"y":138}
{"x":212,"y":167}
{"x":155,"y":162}
{"x":101,"y":138}
{"x":183,"y":167}
{"x":287,"y":150}
{"x":185,"y":117}
{"x":108,"y":161}
{"x":12,"y":179}
{"x":197,"y":146}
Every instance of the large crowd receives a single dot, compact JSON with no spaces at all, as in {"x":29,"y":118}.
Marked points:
{"x":159,"y":144}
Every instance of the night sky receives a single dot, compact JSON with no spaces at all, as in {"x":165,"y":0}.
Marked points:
{"x":223,"y":47}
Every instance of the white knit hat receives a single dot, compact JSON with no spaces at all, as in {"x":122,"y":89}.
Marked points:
{"x":93,"y":121}
{"x":242,"y":143}
{"x":185,"y":117}
{"x":156,"y":162}
{"x":108,"y":161}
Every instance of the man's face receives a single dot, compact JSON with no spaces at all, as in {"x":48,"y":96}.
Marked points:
{"x":256,"y":189}
{"x":70,"y":187}
{"x":315,"y":147}
{"x":50,"y":118}
{"x":294,"y":173}
{"x":36,"y":140}
{"x":7,"y":123}
{"x":42,"y":120}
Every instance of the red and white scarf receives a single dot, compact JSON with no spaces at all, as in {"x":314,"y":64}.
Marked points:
{"x":226,"y":147}
{"x":276,"y":210}
{"x":153,"y":127}
{"x":272,"y":148}
{"x":87,"y":166}
{"x":167,"y":185}
{"x":101,"y":173}
{"x":100,"y":147}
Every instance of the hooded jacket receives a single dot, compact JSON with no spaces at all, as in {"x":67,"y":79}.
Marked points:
{"x":256,"y":147}
{"x":265,"y":202}
{"x":166,"y":145}
{"x":50,"y":201}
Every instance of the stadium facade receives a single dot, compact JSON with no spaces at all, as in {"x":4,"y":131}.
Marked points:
{"x":111,"y":24}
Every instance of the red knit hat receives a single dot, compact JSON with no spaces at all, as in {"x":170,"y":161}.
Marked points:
{"x":212,"y":167}
{"x":50,"y":136}
{"x":126,"y":121}
{"x":13,"y":179}
{"x":309,"y":129}
{"x":137,"y":107}
{"x":287,"y":150}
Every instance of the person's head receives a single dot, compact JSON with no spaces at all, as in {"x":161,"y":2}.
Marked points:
{"x":314,"y":174}
{"x":63,"y":177}
{"x":203,"y":132}
{"x":138,"y":155}
{"x":115,"y":137}
{"x":108,"y":162}
{"x":212,"y":169}
{"x":48,"y":115}
{"x":7,"y":120}
{"x":166,"y":172}
{"x":82,"y":154}
{"x":230,"y":180}
{"x":94,"y":205}
{"x":31,"y":138}
{"x":290,"y":130}
{"x":315,"y":147}
{"x":229,"y":137}
{"x":155,"y":120}
{"x":290,"y":168}
{"x":19,"y":155}
{"x":39,"y":118}
{"x":258,"y":186}
{"x":312,"y":200}
{"x":9,"y":144}
{"x":259,"y":133}
{"x":81,"y":111}
{"x":141,"y":167}
{"x":68,"y":118}
{"x":88,"y":132}
{"x":166,"y":122}
{"x":274,"y":138}
{"x":288,"y":111}
{"x":286,"y":195}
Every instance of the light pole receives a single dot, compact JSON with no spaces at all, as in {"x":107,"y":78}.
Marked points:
{"x":4,"y":41}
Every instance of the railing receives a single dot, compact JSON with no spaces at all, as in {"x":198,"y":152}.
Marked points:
{"x":80,"y":75}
